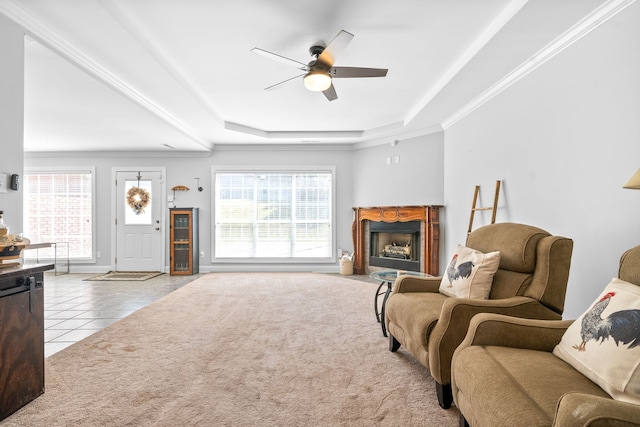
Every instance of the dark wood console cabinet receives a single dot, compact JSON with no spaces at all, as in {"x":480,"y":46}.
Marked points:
{"x":21,"y":336}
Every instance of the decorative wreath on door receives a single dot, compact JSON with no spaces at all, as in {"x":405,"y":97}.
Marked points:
{"x":138,"y":199}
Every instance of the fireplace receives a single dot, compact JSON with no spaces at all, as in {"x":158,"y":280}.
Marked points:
{"x":407,"y":237}
{"x":395,"y":245}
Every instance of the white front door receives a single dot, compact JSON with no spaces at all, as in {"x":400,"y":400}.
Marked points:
{"x":139,"y":221}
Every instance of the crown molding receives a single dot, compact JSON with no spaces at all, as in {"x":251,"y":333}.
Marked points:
{"x":117,"y":154}
{"x":284,"y":147}
{"x":136,"y":29}
{"x":392,"y":139}
{"x":292,"y":134}
{"x":592,"y":21}
{"x":40,"y":32}
{"x":496,"y":25}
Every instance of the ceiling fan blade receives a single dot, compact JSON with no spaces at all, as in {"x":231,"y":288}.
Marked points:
{"x":348,"y":72}
{"x":282,"y":83}
{"x":335,"y":47}
{"x":280,"y":58}
{"x":331,"y":93}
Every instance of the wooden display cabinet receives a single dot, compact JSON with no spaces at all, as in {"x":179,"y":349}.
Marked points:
{"x":183,"y":241}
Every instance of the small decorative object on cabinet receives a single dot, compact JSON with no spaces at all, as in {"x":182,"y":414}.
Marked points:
{"x":183,"y":241}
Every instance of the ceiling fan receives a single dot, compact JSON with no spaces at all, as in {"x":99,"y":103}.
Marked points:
{"x":319,"y":72}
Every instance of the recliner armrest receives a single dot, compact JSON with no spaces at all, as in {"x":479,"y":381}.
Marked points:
{"x":579,"y":409}
{"x":507,"y":331}
{"x":458,"y":314}
{"x":408,"y":283}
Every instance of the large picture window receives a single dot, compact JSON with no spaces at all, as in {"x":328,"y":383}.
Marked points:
{"x":273,"y":214}
{"x":58,"y":207}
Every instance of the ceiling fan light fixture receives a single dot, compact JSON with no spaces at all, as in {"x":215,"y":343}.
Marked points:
{"x":317,"y":81}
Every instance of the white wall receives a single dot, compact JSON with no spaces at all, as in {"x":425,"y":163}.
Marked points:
{"x":11,"y":118}
{"x":183,"y":170}
{"x":564,"y":140}
{"x":417,"y":179}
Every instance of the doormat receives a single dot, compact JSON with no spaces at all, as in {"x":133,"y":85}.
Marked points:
{"x":115,"y":276}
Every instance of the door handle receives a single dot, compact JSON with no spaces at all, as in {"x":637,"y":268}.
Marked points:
{"x":157,"y":228}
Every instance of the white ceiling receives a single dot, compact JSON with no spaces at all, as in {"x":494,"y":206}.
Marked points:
{"x":122,"y":75}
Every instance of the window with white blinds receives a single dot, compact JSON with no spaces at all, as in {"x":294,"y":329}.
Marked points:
{"x":273,"y":214}
{"x":58,"y":207}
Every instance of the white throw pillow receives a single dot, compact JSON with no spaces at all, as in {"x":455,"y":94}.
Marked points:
{"x":470,"y":273}
{"x":604,"y":342}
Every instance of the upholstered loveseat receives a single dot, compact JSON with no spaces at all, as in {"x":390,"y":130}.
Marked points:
{"x":508,"y":372}
{"x":530,"y":282}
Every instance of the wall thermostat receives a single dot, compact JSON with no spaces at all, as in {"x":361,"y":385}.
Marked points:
{"x":3,"y":183}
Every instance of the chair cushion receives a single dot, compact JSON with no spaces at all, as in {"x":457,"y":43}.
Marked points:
{"x":507,"y":284}
{"x":517,"y":244}
{"x":416,"y":313}
{"x":511,"y":386}
{"x":470,"y":273}
{"x":604,"y":342}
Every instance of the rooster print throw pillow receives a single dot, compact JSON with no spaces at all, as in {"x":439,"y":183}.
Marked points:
{"x":470,"y":273}
{"x":604,"y":343}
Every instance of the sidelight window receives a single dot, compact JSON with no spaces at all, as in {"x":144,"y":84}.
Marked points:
{"x":58,"y":207}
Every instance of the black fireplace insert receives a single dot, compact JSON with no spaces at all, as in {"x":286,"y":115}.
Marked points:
{"x":395,"y":245}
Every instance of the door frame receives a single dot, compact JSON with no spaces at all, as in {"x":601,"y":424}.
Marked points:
{"x":163,"y":208}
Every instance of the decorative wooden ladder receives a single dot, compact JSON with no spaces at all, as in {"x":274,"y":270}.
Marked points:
{"x":491,"y":208}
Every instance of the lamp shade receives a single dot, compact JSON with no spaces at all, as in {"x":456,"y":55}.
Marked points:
{"x":317,"y":81}
{"x":634,"y":181}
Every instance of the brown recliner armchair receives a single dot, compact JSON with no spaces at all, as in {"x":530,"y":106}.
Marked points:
{"x":530,"y":282}
{"x":505,"y":373}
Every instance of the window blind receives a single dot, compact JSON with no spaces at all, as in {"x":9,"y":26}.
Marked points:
{"x":59,"y":208}
{"x":273,"y":215}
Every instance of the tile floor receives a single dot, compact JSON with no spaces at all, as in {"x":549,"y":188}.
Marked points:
{"x":76,"y":308}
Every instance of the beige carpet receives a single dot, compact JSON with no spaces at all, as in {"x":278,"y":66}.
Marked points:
{"x":277,"y":349}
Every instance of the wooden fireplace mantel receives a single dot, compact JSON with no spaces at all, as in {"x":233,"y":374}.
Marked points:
{"x":429,"y":215}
